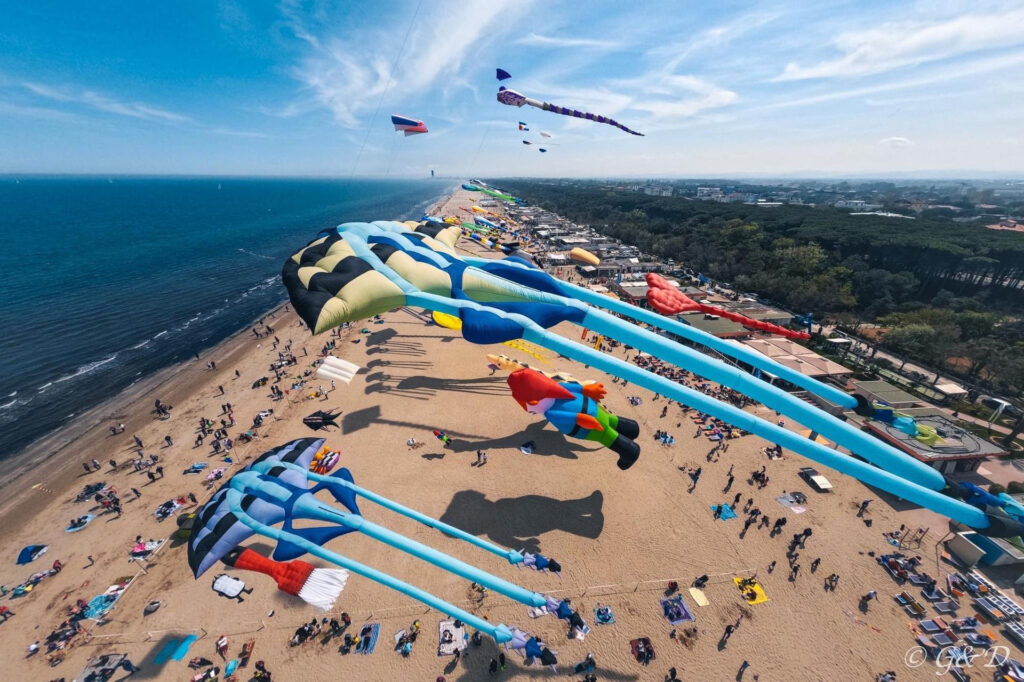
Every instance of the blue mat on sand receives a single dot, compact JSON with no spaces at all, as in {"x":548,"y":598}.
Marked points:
{"x":727,"y":512}
{"x":603,"y":615}
{"x":372,"y":644}
{"x":182,"y":649}
{"x":166,"y":652}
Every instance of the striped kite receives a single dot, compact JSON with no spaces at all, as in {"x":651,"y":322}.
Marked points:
{"x":516,"y":99}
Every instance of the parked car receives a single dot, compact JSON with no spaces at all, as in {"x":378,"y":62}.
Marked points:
{"x":815,"y":480}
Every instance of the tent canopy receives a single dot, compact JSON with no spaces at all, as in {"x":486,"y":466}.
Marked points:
{"x":30,"y":553}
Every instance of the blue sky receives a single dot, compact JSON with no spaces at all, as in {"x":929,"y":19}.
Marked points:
{"x":307,"y":88}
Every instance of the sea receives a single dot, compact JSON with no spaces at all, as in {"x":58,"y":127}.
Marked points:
{"x":104,"y":281}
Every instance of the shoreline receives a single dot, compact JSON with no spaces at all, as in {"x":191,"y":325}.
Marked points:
{"x":26,"y":467}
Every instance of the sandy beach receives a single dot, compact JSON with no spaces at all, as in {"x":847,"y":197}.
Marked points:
{"x":620,"y":536}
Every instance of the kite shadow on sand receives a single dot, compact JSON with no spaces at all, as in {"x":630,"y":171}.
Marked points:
{"x":545,"y":443}
{"x":361,"y":419}
{"x":517,"y":521}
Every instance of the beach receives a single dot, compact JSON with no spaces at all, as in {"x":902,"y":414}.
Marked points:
{"x":620,"y":536}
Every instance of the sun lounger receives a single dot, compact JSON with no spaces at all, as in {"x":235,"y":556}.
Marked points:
{"x":934,"y":595}
{"x":941,"y":639}
{"x":948,"y":606}
{"x":1016,"y":632}
{"x":990,"y":610}
{"x":978,"y":640}
{"x":966,"y":624}
{"x":919,"y":579}
{"x":929,"y":627}
{"x":958,"y":674}
{"x":929,"y":648}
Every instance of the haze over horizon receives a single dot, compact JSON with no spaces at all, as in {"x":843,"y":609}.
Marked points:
{"x":852,"y":89}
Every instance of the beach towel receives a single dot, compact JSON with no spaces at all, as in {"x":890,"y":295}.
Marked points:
{"x":581,"y":633}
{"x":85,"y":517}
{"x":789,"y":503}
{"x":165,"y":652}
{"x":368,"y":642}
{"x":675,"y":611}
{"x":231,"y":667}
{"x":603,"y":615}
{"x":759,"y":596}
{"x":228,"y":586}
{"x":166,"y":509}
{"x":699,"y":598}
{"x":634,"y":646}
{"x":181,"y":650}
{"x":446,"y":629}
{"x":727,"y":511}
{"x":100,"y":605}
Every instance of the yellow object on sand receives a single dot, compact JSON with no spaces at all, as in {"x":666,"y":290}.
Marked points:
{"x":806,"y":433}
{"x":759,"y":596}
{"x":699,"y":597}
{"x":445,"y":320}
{"x":528,"y":348}
{"x":583,"y":256}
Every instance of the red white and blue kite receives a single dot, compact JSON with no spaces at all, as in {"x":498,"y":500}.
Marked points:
{"x":408,"y":125}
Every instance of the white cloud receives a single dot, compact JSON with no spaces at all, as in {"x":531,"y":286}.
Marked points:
{"x":537,"y":40}
{"x":898,"y":44}
{"x":104,"y":103}
{"x":350,"y":75}
{"x":40,"y":113}
{"x":716,"y":36}
{"x":237,"y":133}
{"x":969,"y":69}
{"x":896,"y":142}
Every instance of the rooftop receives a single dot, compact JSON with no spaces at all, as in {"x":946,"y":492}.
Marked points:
{"x":796,"y":357}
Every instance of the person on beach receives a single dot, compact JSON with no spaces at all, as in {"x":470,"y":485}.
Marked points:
{"x":96,"y":464}
{"x":222,"y":646}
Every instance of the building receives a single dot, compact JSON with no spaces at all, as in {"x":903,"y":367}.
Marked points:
{"x":800,"y":358}
{"x":857,"y":205}
{"x":709,"y":193}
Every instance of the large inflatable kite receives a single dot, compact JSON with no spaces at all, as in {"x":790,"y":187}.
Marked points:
{"x":668,"y":300}
{"x":274,"y":489}
{"x":358,"y":270}
{"x":516,"y":99}
{"x":573,"y":409}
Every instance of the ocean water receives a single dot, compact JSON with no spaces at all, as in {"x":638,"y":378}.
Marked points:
{"x":104,"y":281}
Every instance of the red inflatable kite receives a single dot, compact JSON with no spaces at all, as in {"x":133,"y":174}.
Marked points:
{"x":668,"y":300}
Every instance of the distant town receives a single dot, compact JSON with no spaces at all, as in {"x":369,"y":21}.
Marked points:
{"x":999,"y":205}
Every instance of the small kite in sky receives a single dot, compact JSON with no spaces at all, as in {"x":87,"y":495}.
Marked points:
{"x":409,"y":126}
{"x":503,"y":75}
